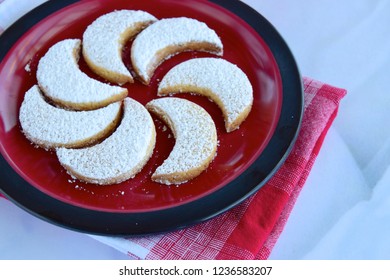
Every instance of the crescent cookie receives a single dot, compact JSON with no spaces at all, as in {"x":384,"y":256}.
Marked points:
{"x":104,"y":39}
{"x":195,"y":135}
{"x":61,"y":80}
{"x":120,"y":156}
{"x":50,"y":127}
{"x":168,"y":37}
{"x":221,"y":81}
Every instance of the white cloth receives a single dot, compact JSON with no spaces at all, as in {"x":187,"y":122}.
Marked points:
{"x":342,"y":206}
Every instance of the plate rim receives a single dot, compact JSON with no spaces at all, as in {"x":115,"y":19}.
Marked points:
{"x":141,"y":223}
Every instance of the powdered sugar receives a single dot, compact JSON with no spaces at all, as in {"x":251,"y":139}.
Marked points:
{"x":104,"y":38}
{"x":27,"y":68}
{"x":167,"y":33}
{"x":60,"y":78}
{"x":195,"y":133}
{"x":120,"y":156}
{"x":217,"y":78}
{"x":124,"y":153}
{"x":49,"y":126}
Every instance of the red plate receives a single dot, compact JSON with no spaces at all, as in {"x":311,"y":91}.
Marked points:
{"x":237,"y":151}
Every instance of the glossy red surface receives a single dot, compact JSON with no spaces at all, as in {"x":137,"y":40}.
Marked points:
{"x":236,"y":151}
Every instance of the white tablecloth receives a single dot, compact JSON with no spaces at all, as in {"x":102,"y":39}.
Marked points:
{"x":343,"y":210}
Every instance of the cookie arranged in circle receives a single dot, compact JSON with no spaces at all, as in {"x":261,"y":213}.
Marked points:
{"x":195,"y":135}
{"x":168,"y":37}
{"x":120,"y":156}
{"x":103,"y":41}
{"x":49,"y":127}
{"x":221,"y":81}
{"x":62,"y":81}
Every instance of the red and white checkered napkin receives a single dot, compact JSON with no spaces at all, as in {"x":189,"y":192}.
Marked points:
{"x":250,"y":230}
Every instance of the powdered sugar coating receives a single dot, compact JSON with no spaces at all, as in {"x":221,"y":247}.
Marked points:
{"x":60,"y":78}
{"x":50,"y":127}
{"x":103,"y":40}
{"x":120,"y":156}
{"x":216,"y":78}
{"x":195,"y":135}
{"x":169,"y":33}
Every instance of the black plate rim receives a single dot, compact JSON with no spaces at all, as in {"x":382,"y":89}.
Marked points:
{"x":250,"y":181}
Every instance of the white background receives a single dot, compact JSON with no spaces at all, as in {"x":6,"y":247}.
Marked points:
{"x":343,"y":211}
